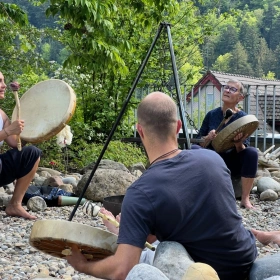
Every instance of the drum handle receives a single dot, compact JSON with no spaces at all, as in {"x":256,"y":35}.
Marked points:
{"x":115,"y":223}
{"x":18,"y":116}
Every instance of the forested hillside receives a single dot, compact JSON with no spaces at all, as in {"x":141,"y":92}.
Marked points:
{"x":246,"y":42}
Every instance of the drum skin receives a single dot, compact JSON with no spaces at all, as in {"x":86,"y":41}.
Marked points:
{"x":45,"y":108}
{"x":53,"y":237}
{"x":224,"y":140}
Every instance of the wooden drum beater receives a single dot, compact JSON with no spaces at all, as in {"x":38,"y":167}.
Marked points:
{"x":15,"y":87}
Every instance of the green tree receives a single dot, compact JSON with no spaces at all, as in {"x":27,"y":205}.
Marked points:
{"x":239,"y":61}
{"x":107,"y":42}
{"x":222,"y":63}
{"x":249,"y":36}
{"x":265,"y":58}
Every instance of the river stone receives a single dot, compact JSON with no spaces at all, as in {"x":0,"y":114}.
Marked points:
{"x":36,"y":204}
{"x":144,"y":271}
{"x":266,"y":183}
{"x":10,"y":188}
{"x":263,"y":173}
{"x":53,"y":181}
{"x":105,"y":164}
{"x":172,"y":259}
{"x":70,"y":180}
{"x":200,"y":271}
{"x":105,"y":182}
{"x":268,"y":195}
{"x":137,"y":166}
{"x":53,"y":172}
{"x":275,"y":174}
{"x":265,"y":267}
{"x":45,"y":174}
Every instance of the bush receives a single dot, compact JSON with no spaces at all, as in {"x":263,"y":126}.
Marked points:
{"x":78,"y":155}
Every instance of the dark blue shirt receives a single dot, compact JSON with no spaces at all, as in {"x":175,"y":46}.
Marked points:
{"x":189,"y":199}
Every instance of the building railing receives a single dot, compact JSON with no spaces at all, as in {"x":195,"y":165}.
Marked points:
{"x":261,"y":100}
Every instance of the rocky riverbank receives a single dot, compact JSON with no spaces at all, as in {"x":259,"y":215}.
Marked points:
{"x":20,"y":261}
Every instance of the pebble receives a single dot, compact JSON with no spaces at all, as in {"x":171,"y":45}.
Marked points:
{"x":18,"y":260}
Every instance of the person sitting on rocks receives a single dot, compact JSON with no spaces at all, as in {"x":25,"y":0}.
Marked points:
{"x":267,"y":237}
{"x":185,"y":196}
{"x":241,"y":160}
{"x":14,"y":164}
{"x":147,"y":255}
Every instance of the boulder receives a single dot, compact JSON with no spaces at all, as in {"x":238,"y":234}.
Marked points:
{"x":172,"y":259}
{"x":200,"y":271}
{"x":105,"y":182}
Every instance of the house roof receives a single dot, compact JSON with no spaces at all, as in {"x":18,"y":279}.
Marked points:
{"x":258,"y":90}
{"x":219,"y":79}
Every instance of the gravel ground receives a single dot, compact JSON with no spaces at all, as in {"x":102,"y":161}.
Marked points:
{"x":20,"y":261}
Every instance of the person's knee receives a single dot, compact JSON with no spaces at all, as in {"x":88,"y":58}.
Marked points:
{"x":251,"y":152}
{"x":32,"y":151}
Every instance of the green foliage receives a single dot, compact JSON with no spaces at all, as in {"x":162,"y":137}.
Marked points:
{"x":239,"y":62}
{"x":79,"y":154}
{"x":13,"y":13}
{"x":46,"y":48}
{"x":269,"y":76}
{"x":222,"y":63}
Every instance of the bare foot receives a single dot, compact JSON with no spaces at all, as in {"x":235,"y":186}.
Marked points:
{"x":112,"y":228}
{"x":246,"y":204}
{"x":266,"y":237}
{"x":18,"y":211}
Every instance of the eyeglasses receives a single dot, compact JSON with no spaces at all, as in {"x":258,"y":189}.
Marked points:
{"x":231,"y":89}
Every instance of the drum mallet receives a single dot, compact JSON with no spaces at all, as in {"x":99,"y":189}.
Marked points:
{"x":15,"y":87}
{"x":228,"y":114}
{"x":93,"y":210}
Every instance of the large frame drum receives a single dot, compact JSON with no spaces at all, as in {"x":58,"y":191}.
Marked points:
{"x":46,"y":108}
{"x":224,"y":140}
{"x":56,"y":237}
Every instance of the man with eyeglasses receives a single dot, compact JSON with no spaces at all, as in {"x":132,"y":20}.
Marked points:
{"x":241,"y":160}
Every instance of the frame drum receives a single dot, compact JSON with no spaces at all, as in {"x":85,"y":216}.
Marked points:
{"x":45,"y":108}
{"x":224,"y":140}
{"x":56,"y":237}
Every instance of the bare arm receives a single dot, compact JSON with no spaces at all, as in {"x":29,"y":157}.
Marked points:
{"x":10,"y":130}
{"x":208,"y":138}
{"x":114,"y":267}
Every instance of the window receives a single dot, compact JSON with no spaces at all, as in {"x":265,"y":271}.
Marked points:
{"x":209,"y":101}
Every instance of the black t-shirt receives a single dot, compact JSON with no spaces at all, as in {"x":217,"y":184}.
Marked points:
{"x":189,"y":199}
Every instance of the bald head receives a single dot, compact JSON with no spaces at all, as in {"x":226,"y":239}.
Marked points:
{"x":157,"y":113}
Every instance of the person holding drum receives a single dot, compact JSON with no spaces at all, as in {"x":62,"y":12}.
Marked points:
{"x":15,"y":165}
{"x":185,"y":196}
{"x":241,"y":160}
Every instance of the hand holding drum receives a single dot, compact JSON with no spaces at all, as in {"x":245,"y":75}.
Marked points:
{"x":227,"y":115}
{"x":93,"y":210}
{"x":15,"y":87}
